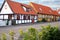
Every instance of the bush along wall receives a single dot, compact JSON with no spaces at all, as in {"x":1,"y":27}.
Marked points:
{"x":45,"y":33}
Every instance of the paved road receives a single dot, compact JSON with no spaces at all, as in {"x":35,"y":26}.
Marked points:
{"x":24,"y":27}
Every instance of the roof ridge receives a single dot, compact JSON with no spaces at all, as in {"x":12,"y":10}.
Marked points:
{"x":40,"y":4}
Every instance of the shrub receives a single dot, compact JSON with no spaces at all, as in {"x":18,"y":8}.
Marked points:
{"x":21,"y":34}
{"x":28,"y":36}
{"x":12,"y":33}
{"x":46,"y":33}
{"x":31,"y":34}
{"x":3,"y":37}
{"x":43,"y":20}
{"x":49,"y":33}
{"x":39,"y":21}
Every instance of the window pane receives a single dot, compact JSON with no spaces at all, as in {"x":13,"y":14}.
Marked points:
{"x":35,"y":17}
{"x":14,"y":16}
{"x":5,"y":16}
{"x":9,"y":16}
{"x":1,"y":16}
{"x":22,"y":16}
{"x":18,"y":17}
{"x":24,"y":8}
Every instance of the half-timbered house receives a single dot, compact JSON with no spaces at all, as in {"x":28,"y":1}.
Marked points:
{"x":44,"y":12}
{"x":17,"y":13}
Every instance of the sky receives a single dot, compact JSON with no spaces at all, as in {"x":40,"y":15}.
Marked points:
{"x":54,"y":4}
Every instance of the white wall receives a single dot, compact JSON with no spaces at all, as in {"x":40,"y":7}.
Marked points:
{"x":25,"y":21}
{"x":6,"y":9}
{"x":3,"y":23}
{"x":1,"y":16}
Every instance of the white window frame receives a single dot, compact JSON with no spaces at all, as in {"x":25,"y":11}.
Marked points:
{"x":5,"y":16}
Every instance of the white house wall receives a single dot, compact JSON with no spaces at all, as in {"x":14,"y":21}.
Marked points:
{"x":25,"y":21}
{"x":1,"y":16}
{"x":3,"y":23}
{"x":6,"y":9}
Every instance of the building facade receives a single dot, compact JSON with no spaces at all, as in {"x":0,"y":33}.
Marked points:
{"x":12,"y":13}
{"x":17,"y":13}
{"x":45,"y":12}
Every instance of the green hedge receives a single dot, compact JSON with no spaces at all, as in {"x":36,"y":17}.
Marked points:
{"x":43,"y":20}
{"x":45,"y":33}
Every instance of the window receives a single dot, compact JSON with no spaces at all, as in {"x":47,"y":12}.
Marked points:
{"x":1,"y":16}
{"x":27,"y":9}
{"x":24,"y":8}
{"x":5,"y":6}
{"x":28,"y":17}
{"x":14,"y":16}
{"x":31,"y":17}
{"x":24,"y":17}
{"x":40,"y":9}
{"x":43,"y":16}
{"x":9,"y":16}
{"x":35,"y":17}
{"x":5,"y":16}
{"x":49,"y":16}
{"x":18,"y":17}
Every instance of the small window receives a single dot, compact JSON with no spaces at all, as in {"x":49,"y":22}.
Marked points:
{"x":5,"y":16}
{"x":28,"y":17}
{"x":14,"y":16}
{"x":24,"y":17}
{"x":1,"y":16}
{"x":27,"y":9}
{"x":31,"y":17}
{"x":24,"y":8}
{"x":18,"y":17}
{"x":5,"y":6}
{"x":9,"y":16}
{"x":40,"y":9}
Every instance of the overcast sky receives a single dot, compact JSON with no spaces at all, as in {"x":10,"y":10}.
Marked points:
{"x":55,"y":4}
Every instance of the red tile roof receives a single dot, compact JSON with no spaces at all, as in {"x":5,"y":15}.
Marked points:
{"x":56,"y":13}
{"x":44,"y":9}
{"x":18,"y":9}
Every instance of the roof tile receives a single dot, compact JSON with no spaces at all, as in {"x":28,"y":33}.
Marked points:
{"x":18,"y":9}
